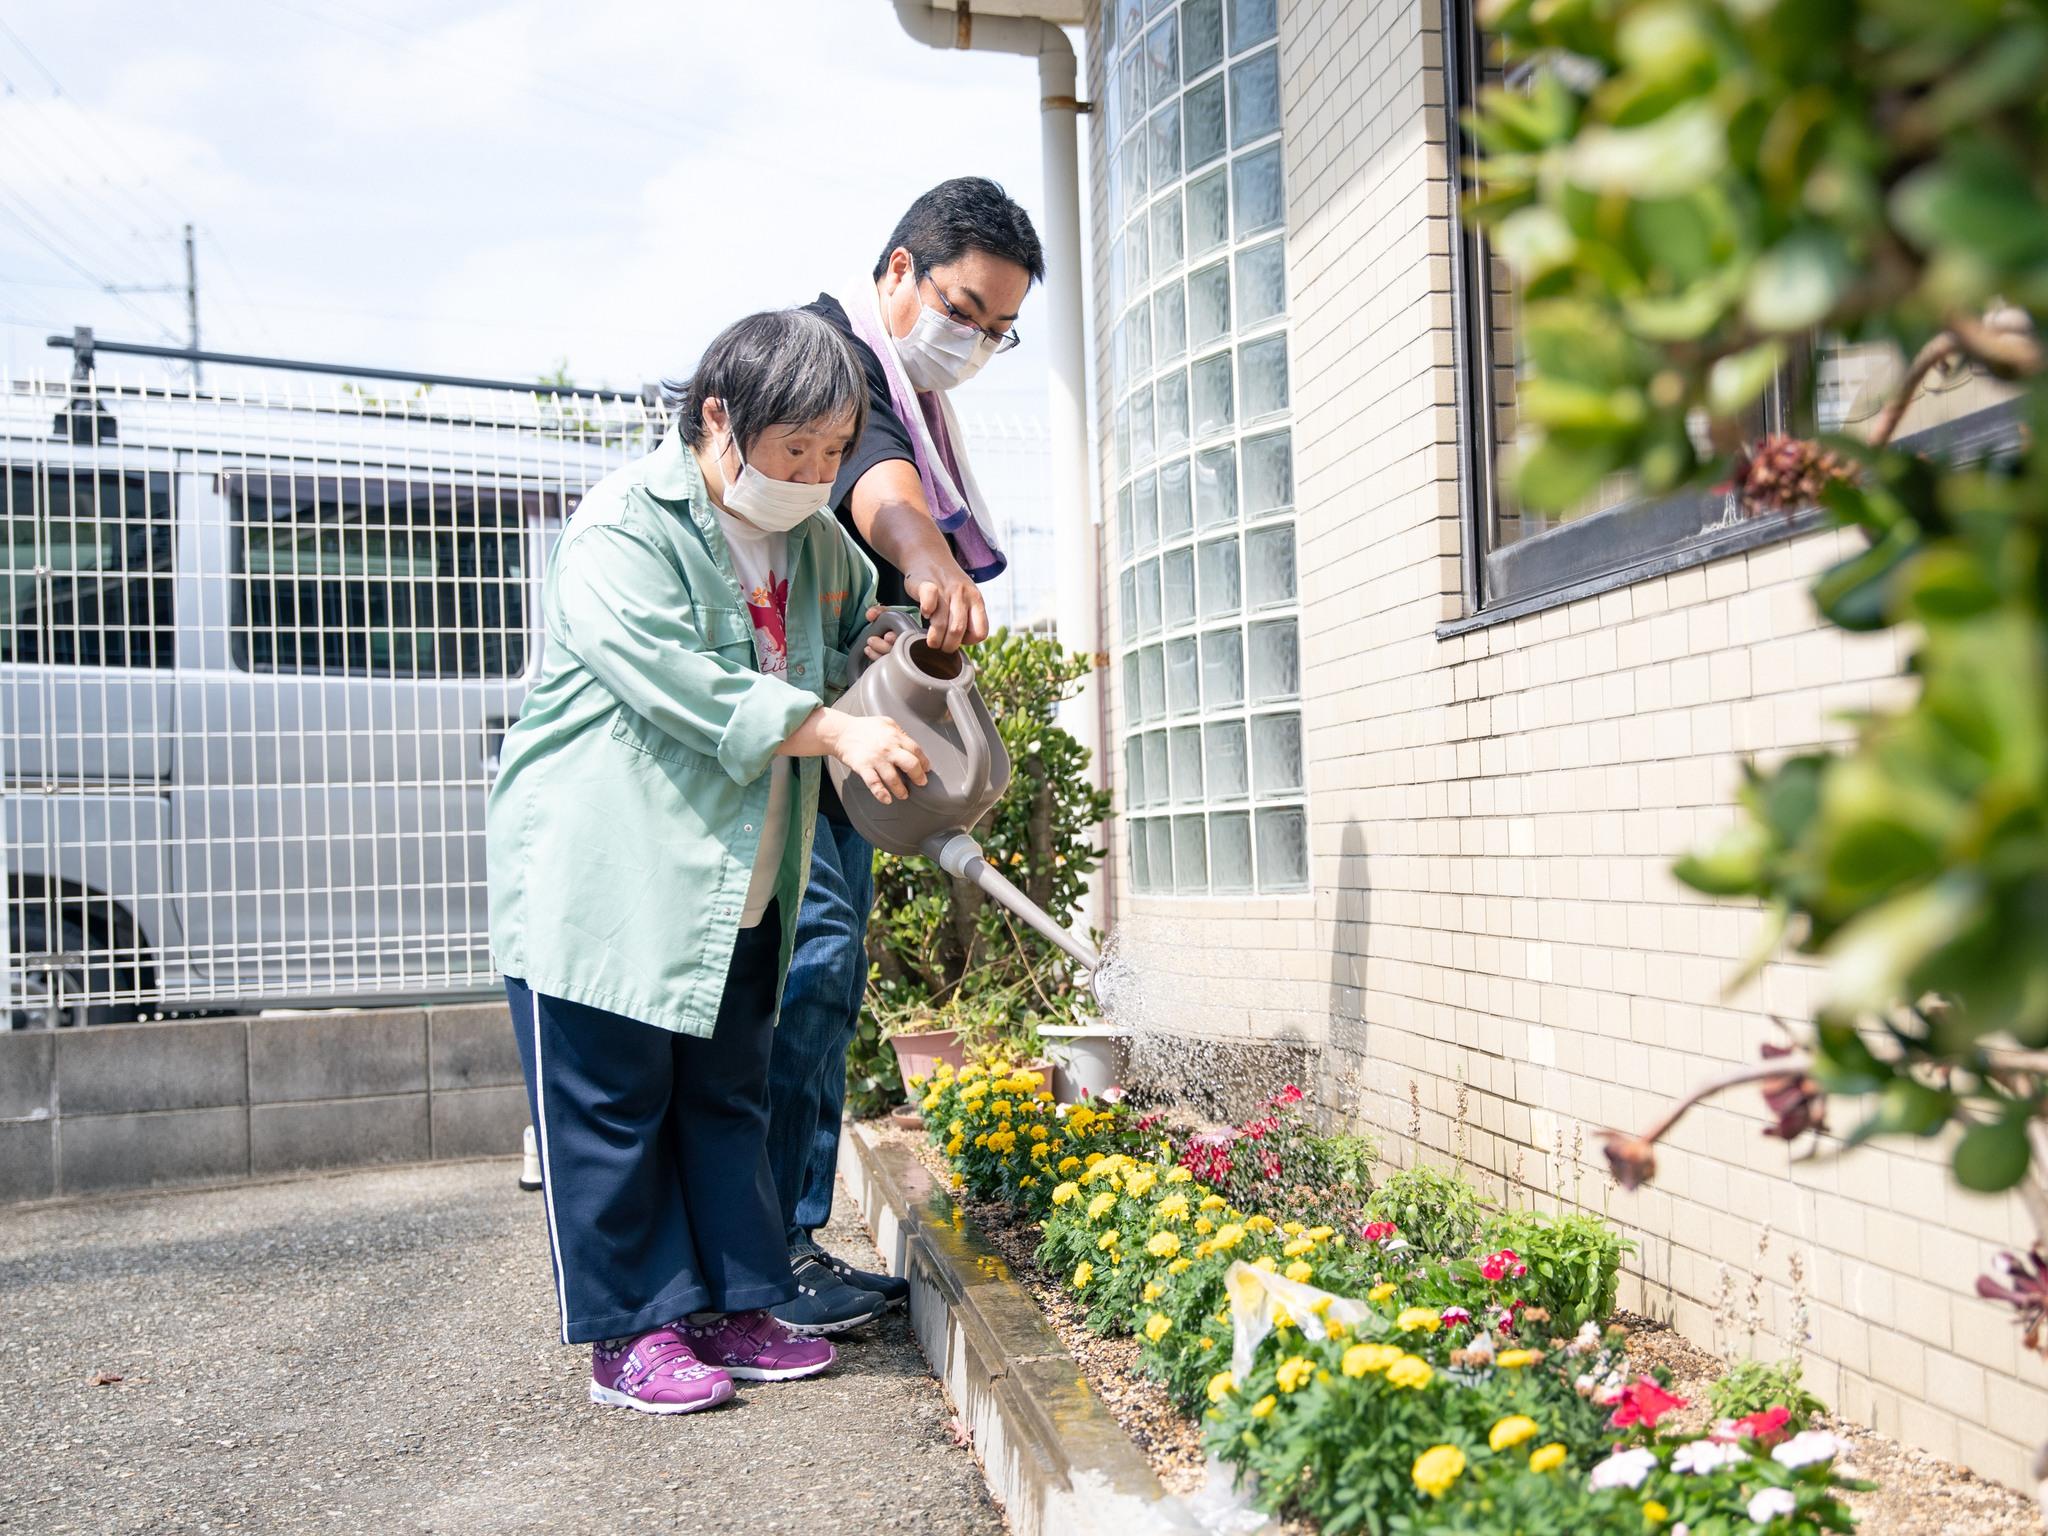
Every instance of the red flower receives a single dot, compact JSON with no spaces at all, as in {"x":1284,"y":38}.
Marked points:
{"x":1378,"y":1231}
{"x":1644,"y":1403}
{"x":1456,"y":1317}
{"x":1767,"y":1427}
{"x":1288,"y":1095}
{"x":1505,"y":1265}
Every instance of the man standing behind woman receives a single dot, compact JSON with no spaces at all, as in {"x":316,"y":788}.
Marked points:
{"x":942,"y":299}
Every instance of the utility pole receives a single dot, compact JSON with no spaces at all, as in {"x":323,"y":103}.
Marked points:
{"x":191,"y":302}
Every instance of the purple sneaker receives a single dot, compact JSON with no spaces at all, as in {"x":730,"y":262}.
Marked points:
{"x":755,"y":1347}
{"x":656,"y":1373}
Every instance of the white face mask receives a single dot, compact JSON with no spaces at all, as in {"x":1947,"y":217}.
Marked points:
{"x":940,"y":352}
{"x":773,"y":506}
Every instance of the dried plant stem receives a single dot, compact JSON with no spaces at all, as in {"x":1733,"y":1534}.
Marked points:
{"x":1795,"y":1065}
{"x":1941,"y":349}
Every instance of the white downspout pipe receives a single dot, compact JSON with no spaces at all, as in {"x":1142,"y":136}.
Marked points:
{"x":1075,"y":547}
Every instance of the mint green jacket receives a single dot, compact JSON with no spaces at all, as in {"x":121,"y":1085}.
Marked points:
{"x":633,"y":787}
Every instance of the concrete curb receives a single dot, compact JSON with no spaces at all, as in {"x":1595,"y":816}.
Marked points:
{"x":1055,"y":1457}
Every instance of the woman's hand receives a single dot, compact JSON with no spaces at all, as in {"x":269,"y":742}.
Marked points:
{"x":873,"y":747}
{"x":882,"y":644}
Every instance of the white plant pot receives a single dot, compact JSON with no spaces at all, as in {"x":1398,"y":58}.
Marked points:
{"x":1087,"y":1059}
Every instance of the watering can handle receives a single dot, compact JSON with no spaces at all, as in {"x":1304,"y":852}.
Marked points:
{"x":898,"y":619}
{"x":972,"y":741}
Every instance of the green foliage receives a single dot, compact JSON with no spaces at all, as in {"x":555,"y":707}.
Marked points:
{"x":943,"y":956}
{"x":874,"y":1082}
{"x":1437,"y":1212}
{"x":1574,"y":1263}
{"x":1751,"y":1386}
{"x":1687,"y":190}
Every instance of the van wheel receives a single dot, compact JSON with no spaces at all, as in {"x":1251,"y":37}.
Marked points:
{"x":47,"y":993}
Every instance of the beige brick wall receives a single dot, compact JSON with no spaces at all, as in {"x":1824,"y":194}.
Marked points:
{"x":1493,"y":819}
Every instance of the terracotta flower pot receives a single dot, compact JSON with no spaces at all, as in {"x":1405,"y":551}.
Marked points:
{"x":917,"y":1054}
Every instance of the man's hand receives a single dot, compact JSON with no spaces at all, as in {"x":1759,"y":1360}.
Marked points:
{"x":954,"y":611}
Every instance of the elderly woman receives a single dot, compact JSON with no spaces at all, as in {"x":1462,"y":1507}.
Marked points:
{"x":650,"y":837}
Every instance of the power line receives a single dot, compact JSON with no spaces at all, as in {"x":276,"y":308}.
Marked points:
{"x":23,"y":217}
{"x":59,"y":190}
{"x":240,"y":287}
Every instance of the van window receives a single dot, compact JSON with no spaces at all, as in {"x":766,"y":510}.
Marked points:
{"x":363,"y":576}
{"x":87,"y":579}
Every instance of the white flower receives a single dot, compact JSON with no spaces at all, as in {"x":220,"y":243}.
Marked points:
{"x":1700,"y":1457}
{"x":1770,"y":1504}
{"x":1625,"y":1469}
{"x":1806,"y":1448}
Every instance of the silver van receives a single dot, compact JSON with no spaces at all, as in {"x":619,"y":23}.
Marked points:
{"x":257,"y":651}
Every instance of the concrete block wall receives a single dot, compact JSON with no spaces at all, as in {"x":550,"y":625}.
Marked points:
{"x":1495,"y":961}
{"x":89,"y":1111}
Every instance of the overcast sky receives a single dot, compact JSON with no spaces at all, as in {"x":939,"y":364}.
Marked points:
{"x":478,"y":186}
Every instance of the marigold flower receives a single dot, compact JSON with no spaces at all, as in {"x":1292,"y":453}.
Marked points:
{"x":1157,"y":1325}
{"x":1258,"y":1223}
{"x":1412,"y":1318}
{"x":1511,"y":1432}
{"x":1179,"y":1266}
{"x":1204,"y":1226}
{"x":1410,"y":1371}
{"x":1266,"y":1262}
{"x":1655,"y":1513}
{"x":1213,"y":1202}
{"x":1101,"y":1205}
{"x":1294,"y":1373}
{"x":1381,"y":1291}
{"x":1153,"y":1291}
{"x":1173,"y":1208}
{"x":1321,"y":1234}
{"x":1515,"y":1359}
{"x":1140,"y":1183}
{"x":1178,"y":1176}
{"x":1545,"y":1458}
{"x":1297,"y":1247}
{"x":1437,"y":1468}
{"x":1069,"y":1164}
{"x":1221,"y":1385}
{"x":1109,"y":1239}
{"x":1083,"y":1273}
{"x":1299,"y":1270}
{"x":1264,"y":1407}
{"x":1206,"y":1342}
{"x":1163,"y":1245}
{"x":953,"y":1147}
{"x":1365,"y":1359}
{"x":1292,"y":1228}
{"x":1282,"y":1318}
{"x":1228,"y":1237}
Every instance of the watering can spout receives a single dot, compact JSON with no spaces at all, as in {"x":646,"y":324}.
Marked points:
{"x":960,"y":856}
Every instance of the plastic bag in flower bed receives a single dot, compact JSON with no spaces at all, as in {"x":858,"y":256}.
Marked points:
{"x":1260,"y":1299}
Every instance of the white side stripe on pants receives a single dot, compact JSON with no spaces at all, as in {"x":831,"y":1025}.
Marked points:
{"x":547,"y":1172}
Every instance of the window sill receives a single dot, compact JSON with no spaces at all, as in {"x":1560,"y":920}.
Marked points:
{"x":1754,"y":533}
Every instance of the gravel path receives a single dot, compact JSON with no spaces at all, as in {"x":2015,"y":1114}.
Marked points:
{"x":374,"y":1351}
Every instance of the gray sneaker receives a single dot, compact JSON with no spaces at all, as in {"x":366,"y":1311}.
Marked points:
{"x":825,"y":1304}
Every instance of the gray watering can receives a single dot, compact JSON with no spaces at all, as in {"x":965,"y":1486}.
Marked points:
{"x":930,"y":693}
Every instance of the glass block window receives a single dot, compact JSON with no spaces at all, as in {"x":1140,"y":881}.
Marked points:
{"x":1207,"y":610}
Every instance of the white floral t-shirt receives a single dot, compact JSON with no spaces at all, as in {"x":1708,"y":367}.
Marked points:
{"x":761,"y":561}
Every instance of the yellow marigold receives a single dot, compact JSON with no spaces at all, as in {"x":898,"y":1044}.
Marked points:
{"x":1228,"y":1237}
{"x":1654,"y":1513}
{"x":981,"y":1140}
{"x":1178,"y":1176}
{"x":1206,"y":1343}
{"x":1437,"y":1468}
{"x":1213,"y":1202}
{"x":1140,"y":1183}
{"x":972,"y":1070}
{"x":1083,"y":1273}
{"x":928,"y":1103}
{"x":959,"y":1179}
{"x":1365,"y":1359}
{"x":1092,"y":1159}
{"x":1221,"y":1385}
{"x":1039,"y":1133}
{"x":1163,"y":1245}
{"x":1153,"y":1291}
{"x":1296,"y":1247}
{"x":1334,"y":1327}
{"x":1299,"y":1270}
{"x":1156,"y":1326}
{"x":1265,"y":1261}
{"x":1321,"y":1234}
{"x":1109,"y":1239}
{"x":1064,"y":1192}
{"x":1264,"y":1407}
{"x":1069,"y":1164}
{"x":1292,"y":1228}
{"x":1027,"y":1182}
{"x":1101,"y":1205}
{"x":917,"y":1080}
{"x":1511,"y":1431}
{"x":957,"y":1127}
{"x":1179,"y":1266}
{"x":1173,"y":1208}
{"x":1425,"y":1318}
{"x":1545,"y":1457}
{"x":1038,"y":1152}
{"x":1204,"y":1226}
{"x":1282,"y":1318}
{"x":1410,"y":1371}
{"x":1258,"y":1223}
{"x":1321,"y":1305}
{"x":1381,"y":1291}
{"x":953,"y":1147}
{"x":1515,"y":1359}
{"x":999,"y":1107}
{"x":1294,"y":1373}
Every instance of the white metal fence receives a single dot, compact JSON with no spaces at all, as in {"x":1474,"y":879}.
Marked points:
{"x":256,"y":653}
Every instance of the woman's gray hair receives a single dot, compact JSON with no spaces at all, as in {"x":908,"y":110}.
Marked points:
{"x":781,"y":367}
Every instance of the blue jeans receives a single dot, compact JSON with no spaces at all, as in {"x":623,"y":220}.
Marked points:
{"x":828,"y":977}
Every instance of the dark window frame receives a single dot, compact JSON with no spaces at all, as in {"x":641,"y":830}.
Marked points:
{"x":129,"y":646}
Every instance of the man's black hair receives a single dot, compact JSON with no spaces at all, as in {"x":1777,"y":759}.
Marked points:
{"x":968,"y":213}
{"x":782,"y":367}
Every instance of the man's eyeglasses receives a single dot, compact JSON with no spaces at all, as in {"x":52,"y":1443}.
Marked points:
{"x":1004,"y":341}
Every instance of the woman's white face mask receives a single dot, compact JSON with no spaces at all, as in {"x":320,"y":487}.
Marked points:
{"x":940,"y":352}
{"x":773,"y":506}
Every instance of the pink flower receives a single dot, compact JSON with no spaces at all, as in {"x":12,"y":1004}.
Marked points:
{"x":1644,"y":1403}
{"x":1456,"y":1317}
{"x":1288,"y":1095}
{"x":1378,"y":1231}
{"x":1766,"y":1428}
{"x":1505,"y":1265}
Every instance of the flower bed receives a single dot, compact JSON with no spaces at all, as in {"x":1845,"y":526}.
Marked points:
{"x":1351,"y":1376}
